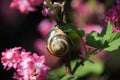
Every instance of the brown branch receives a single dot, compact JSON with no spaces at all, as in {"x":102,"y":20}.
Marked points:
{"x":67,"y":64}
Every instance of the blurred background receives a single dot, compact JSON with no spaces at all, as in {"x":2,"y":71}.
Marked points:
{"x":17,"y":29}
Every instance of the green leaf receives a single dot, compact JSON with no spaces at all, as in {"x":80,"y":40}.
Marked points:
{"x":106,"y":32}
{"x":88,"y":67}
{"x":68,"y":27}
{"x":114,"y":45}
{"x":72,"y":31}
{"x":69,"y":78}
{"x":101,"y":40}
{"x":80,"y":32}
{"x":113,"y":39}
{"x":73,"y":35}
{"x":114,"y":36}
{"x":94,"y":40}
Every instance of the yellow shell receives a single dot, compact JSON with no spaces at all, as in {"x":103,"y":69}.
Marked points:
{"x":58,"y":43}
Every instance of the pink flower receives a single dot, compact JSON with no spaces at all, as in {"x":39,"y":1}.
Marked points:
{"x":39,"y":66}
{"x":11,"y":58}
{"x":51,"y":9}
{"x":83,"y":13}
{"x":112,"y":15}
{"x":35,"y":67}
{"x":45,"y":11}
{"x":32,"y":67}
{"x":36,"y":2}
{"x":28,"y":66}
{"x":81,"y":8}
{"x":116,"y":29}
{"x":24,"y":6}
{"x":44,"y":26}
{"x":92,"y":27}
{"x":26,"y":60}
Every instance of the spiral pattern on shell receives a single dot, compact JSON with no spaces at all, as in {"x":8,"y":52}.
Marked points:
{"x":58,"y":43}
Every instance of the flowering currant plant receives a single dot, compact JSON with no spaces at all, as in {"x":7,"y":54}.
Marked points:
{"x":72,"y":39}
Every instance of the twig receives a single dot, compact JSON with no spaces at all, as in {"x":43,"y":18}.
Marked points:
{"x":82,"y":61}
{"x":77,"y":65}
{"x":83,"y":45}
{"x":67,"y":59}
{"x":92,"y":52}
{"x":67,"y":64}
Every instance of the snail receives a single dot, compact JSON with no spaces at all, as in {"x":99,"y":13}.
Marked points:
{"x":58,"y":43}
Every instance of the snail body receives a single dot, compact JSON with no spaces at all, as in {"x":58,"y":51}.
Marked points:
{"x":58,"y":43}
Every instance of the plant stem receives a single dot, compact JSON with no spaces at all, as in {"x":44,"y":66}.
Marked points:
{"x":65,"y":12}
{"x":82,"y":61}
{"x":83,"y":44}
{"x":77,"y":65}
{"x":67,"y":64}
{"x":92,"y":52}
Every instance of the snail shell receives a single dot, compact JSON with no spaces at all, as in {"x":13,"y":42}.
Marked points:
{"x":58,"y":43}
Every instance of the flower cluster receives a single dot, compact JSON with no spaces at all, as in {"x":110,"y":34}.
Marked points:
{"x":24,"y":6}
{"x":113,"y":16}
{"x":28,"y":66}
{"x":51,"y":9}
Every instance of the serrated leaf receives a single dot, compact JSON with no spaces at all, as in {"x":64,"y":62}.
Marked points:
{"x":114,"y":36}
{"x":114,"y":42}
{"x":106,"y":32}
{"x":114,"y":45}
{"x":102,"y":40}
{"x":94,"y":40}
